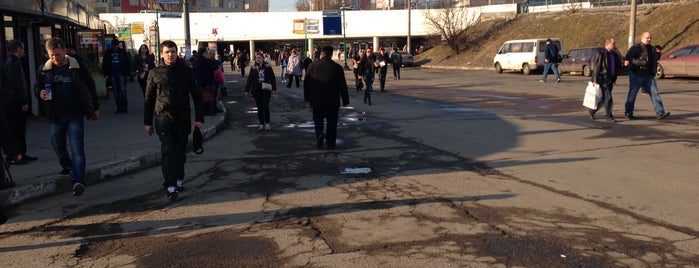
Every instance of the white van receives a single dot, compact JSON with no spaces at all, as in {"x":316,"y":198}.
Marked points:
{"x":523,"y":55}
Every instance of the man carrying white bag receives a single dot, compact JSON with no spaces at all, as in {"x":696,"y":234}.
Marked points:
{"x":606,"y":64}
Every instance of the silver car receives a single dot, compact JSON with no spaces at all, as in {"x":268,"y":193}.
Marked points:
{"x":408,"y":59}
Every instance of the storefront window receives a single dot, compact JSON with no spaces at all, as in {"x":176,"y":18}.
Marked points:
{"x":9,"y":33}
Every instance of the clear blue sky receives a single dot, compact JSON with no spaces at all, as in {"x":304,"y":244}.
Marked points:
{"x":281,"y":5}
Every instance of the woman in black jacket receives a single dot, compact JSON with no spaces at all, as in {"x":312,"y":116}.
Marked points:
{"x":144,"y":61}
{"x":261,"y":83}
{"x":366,"y":73}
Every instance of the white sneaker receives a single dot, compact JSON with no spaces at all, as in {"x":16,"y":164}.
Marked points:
{"x":267,"y":127}
{"x":261,"y":127}
{"x":180,"y":186}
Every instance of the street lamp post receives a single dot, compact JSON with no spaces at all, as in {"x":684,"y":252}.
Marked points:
{"x":344,"y":34}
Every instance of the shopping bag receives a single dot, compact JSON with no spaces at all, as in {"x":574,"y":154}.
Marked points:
{"x":593,"y":95}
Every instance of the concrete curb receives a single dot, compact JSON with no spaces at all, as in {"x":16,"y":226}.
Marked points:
{"x":51,"y":185}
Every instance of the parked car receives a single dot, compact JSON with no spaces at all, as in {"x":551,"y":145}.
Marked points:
{"x":523,"y":55}
{"x":408,"y":59}
{"x":683,"y":61}
{"x":578,"y":60}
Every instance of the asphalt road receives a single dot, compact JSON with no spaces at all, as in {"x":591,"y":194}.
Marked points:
{"x":447,"y":169}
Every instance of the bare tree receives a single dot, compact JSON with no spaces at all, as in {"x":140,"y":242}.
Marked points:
{"x":153,"y":4}
{"x":315,"y":5}
{"x":451,"y":22}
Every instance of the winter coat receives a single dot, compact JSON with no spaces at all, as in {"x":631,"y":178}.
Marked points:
{"x":324,"y":84}
{"x":253,"y":84}
{"x":14,"y":93}
{"x":168,"y":91}
{"x":81,"y":77}
{"x":601,"y":67}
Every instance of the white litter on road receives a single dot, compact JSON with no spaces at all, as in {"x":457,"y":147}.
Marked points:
{"x":362,"y":170}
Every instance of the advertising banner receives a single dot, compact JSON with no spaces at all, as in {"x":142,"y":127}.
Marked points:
{"x":137,"y":28}
{"x":124,"y":32}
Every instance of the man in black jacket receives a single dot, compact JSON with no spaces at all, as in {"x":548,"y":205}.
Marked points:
{"x":16,"y":99}
{"x":167,"y":99}
{"x":116,"y":67}
{"x":642,"y":61}
{"x":550,"y":61}
{"x":396,"y":62}
{"x":606,"y":64}
{"x":71,"y":97}
{"x":323,"y":87}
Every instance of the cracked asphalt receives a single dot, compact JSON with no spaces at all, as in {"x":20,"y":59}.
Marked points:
{"x":455,"y":169}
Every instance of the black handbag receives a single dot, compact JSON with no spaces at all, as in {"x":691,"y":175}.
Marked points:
{"x":360,"y":84}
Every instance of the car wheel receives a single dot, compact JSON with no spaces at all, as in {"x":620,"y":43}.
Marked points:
{"x":586,"y":71}
{"x":498,"y":68}
{"x":525,"y":69}
{"x":660,"y":73}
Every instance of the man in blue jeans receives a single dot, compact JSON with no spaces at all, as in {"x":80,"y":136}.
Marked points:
{"x":550,"y":61}
{"x":116,"y":67}
{"x":642,"y":60}
{"x":71,"y":97}
{"x":606,"y":65}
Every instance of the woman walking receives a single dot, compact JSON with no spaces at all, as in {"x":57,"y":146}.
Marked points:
{"x":294,"y":69}
{"x":366,"y":73}
{"x":261,"y":83}
{"x":144,"y":61}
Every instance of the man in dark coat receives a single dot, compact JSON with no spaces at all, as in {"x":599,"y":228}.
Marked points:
{"x":606,"y":65}
{"x":167,"y":108}
{"x":323,"y":87}
{"x":116,"y":67}
{"x":16,"y":99}
{"x":70,"y":98}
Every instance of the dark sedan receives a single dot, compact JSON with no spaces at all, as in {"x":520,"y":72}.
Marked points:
{"x":683,"y":61}
{"x":578,"y":60}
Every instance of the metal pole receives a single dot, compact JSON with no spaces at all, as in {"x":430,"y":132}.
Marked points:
{"x":157,"y":34}
{"x":408,"y":45}
{"x":632,"y":23}
{"x":344,"y":35}
{"x":305,"y":35}
{"x":187,"y":42}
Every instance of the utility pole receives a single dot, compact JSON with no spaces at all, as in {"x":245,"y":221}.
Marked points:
{"x":344,"y":35}
{"x":187,"y":41}
{"x":632,"y":23}
{"x":408,"y":44}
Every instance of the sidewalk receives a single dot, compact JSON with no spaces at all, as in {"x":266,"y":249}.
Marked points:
{"x":115,"y":145}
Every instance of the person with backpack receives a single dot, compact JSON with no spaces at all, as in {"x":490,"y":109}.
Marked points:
{"x":551,"y":60}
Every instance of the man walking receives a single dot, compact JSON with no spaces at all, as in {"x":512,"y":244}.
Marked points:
{"x":642,"y":60}
{"x":396,"y":62}
{"x":550,"y":61}
{"x":382,"y":67}
{"x":63,"y":88}
{"x":167,"y":108}
{"x":15,"y":98}
{"x":323,"y":87}
{"x":606,"y":65}
{"x":116,"y":67}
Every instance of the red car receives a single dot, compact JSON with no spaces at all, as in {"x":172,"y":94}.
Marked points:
{"x":683,"y":61}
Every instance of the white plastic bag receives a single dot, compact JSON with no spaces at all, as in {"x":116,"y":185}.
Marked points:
{"x":593,"y":95}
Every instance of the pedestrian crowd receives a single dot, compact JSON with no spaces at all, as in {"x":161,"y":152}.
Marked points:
{"x":67,"y":95}
{"x":171,"y":84}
